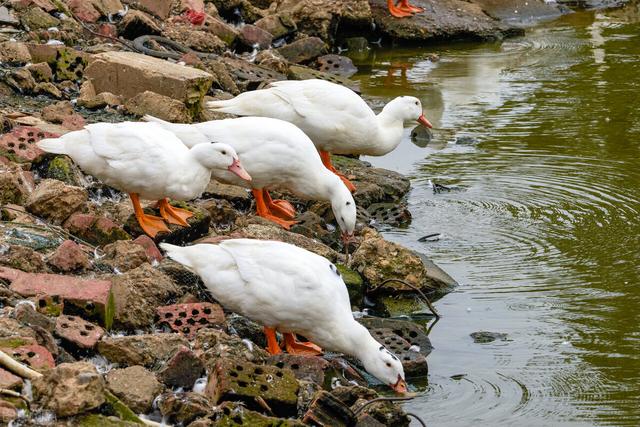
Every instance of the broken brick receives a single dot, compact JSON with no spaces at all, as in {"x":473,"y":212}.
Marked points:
{"x":78,"y":332}
{"x":20,"y":146}
{"x":91,"y":298}
{"x":303,"y":367}
{"x":182,"y":370}
{"x":413,"y":362}
{"x":69,"y":257}
{"x":327,"y":410}
{"x":187,"y":319}
{"x":247,"y":382}
{"x":95,"y":229}
{"x":153,"y":253}
{"x":8,"y":381}
{"x":33,"y":355}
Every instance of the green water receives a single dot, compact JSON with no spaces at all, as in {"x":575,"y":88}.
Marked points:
{"x":543,"y":234}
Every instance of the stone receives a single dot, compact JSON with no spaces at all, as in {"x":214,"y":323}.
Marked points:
{"x":519,"y":12}
{"x":233,"y":380}
{"x":150,"y":350}
{"x":63,"y":169}
{"x":95,"y":229}
{"x":303,"y":50}
{"x":301,"y":72}
{"x":485,"y":337}
{"x":231,"y":414}
{"x":222,"y":212}
{"x":239,"y":196}
{"x":413,"y":362}
{"x":22,"y":258}
{"x":21,"y":80}
{"x":69,"y":64}
{"x":252,"y":36}
{"x":135,"y":386}
{"x":187,"y":319}
{"x":278,"y":25}
{"x":8,"y":381}
{"x":194,"y":38}
{"x":182,"y":408}
{"x":77,"y":332}
{"x":7,"y":17}
{"x":55,"y":201}
{"x":160,"y":106}
{"x":177,"y":235}
{"x":337,"y":64}
{"x":357,"y":44}
{"x":14,"y":53}
{"x":91,"y":297}
{"x":124,"y":255}
{"x":182,"y":370}
{"x":56,"y":113}
{"x":326,"y":409}
{"x":221,"y":29}
{"x":150,"y":248}
{"x":308,"y":368}
{"x":70,"y":389}
{"x":127,"y":74}
{"x":354,"y":283}
{"x":92,"y":10}
{"x":27,"y":315}
{"x":47,"y":88}
{"x":212,"y":344}
{"x":272,"y":60}
{"x":136,"y":24}
{"x":246,"y":328}
{"x":445,"y":19}
{"x":101,"y":100}
{"x":137,"y":293}
{"x":8,"y":412}
{"x":412,"y":332}
{"x":41,"y":72}
{"x":159,"y":8}
{"x":34,"y":19}
{"x":16,"y":184}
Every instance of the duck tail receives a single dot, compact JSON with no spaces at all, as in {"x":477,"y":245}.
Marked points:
{"x":53,"y":145}
{"x":178,"y":254}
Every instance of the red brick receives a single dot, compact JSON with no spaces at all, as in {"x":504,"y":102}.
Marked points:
{"x":182,"y":370}
{"x":95,"y":229}
{"x":92,"y":297}
{"x":153,"y":253}
{"x":33,"y":355}
{"x":19,"y":144}
{"x":9,"y":381}
{"x":78,"y":332}
{"x":69,"y":257}
{"x":187,"y":319}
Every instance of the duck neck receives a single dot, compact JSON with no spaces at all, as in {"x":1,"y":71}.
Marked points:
{"x":362,"y":345}
{"x":390,"y":129}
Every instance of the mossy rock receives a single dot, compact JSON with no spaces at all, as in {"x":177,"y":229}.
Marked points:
{"x":15,"y":342}
{"x":232,"y":417}
{"x":37,"y":19}
{"x":63,"y":169}
{"x":95,"y":420}
{"x":115,"y":407}
{"x":69,"y":64}
{"x":354,"y":282}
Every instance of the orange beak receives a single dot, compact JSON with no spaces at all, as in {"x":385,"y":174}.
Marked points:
{"x":424,"y":122}
{"x":237,"y":169}
{"x":400,"y":386}
{"x":347,"y":238}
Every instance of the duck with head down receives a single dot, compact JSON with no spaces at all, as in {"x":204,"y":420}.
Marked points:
{"x":291,"y":290}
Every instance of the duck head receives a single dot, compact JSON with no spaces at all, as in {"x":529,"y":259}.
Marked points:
{"x":216,"y":155}
{"x":407,"y":108}
{"x":386,"y":367}
{"x":344,"y":209}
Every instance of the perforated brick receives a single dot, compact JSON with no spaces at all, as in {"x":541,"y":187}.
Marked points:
{"x":303,"y":367}
{"x":78,"y":332}
{"x":32,"y":355}
{"x":413,"y":362}
{"x":20,"y":144}
{"x":187,"y":319}
{"x":326,"y":410}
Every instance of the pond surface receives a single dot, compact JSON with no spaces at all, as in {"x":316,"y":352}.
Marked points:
{"x":539,"y":139}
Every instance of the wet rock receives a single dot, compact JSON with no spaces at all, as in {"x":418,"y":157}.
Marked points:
{"x":95,"y":229}
{"x":157,"y":105}
{"x":150,"y":248}
{"x":135,"y":386}
{"x":300,"y":72}
{"x":484,"y":337}
{"x":337,"y":64}
{"x":303,"y":50}
{"x":136,"y":24}
{"x":8,"y":381}
{"x":14,"y":53}
{"x":16,"y":184}
{"x":137,"y":293}
{"x":246,"y":328}
{"x":409,"y":331}
{"x":182,"y":408}
{"x":222,"y":212}
{"x":413,"y":362}
{"x":212,"y":344}
{"x":56,"y":201}
{"x":326,"y":409}
{"x":92,"y":10}
{"x":35,"y":18}
{"x":127,"y":74}
{"x":91,"y":298}
{"x":357,"y":44}
{"x":253,"y":36}
{"x":63,"y":169}
{"x":150,"y":350}
{"x":277,"y":25}
{"x":182,"y":370}
{"x":308,"y":368}
{"x":519,"y":12}
{"x":70,"y":389}
{"x":354,"y":282}
{"x":233,"y":380}
{"x":124,"y":255}
{"x":188,"y":319}
{"x":443,"y":19}
{"x":77,"y":332}
{"x":23,"y":258}
{"x":41,"y":72}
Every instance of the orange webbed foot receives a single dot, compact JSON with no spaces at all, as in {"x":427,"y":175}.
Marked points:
{"x":152,"y":225}
{"x":172,"y":214}
{"x":293,"y":346}
{"x":406,"y":7}
{"x":282,"y":209}
{"x":272,"y":341}
{"x":286,"y":224}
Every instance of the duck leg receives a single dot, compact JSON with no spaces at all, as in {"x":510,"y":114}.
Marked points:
{"x":150,"y":224}
{"x":326,"y":161}
{"x":264,"y":211}
{"x":294,"y":346}
{"x":395,"y":11}
{"x":172,"y":214}
{"x":280,"y":208}
{"x":406,"y":7}
{"x":272,"y":341}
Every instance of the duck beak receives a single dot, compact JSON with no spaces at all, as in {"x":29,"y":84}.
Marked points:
{"x":400,"y":386}
{"x":424,"y":122}
{"x":237,"y":169}
{"x":347,"y":238}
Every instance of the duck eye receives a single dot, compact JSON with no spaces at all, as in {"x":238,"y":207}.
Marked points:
{"x":348,"y":203}
{"x":417,"y":103}
{"x":224,"y":153}
{"x":388,"y":365}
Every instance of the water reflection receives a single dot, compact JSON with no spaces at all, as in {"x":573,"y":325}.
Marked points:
{"x":544,"y":237}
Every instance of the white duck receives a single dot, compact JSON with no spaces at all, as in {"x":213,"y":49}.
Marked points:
{"x":277,"y":155}
{"x":292,"y":290}
{"x":146,"y":161}
{"x":335,"y":118}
